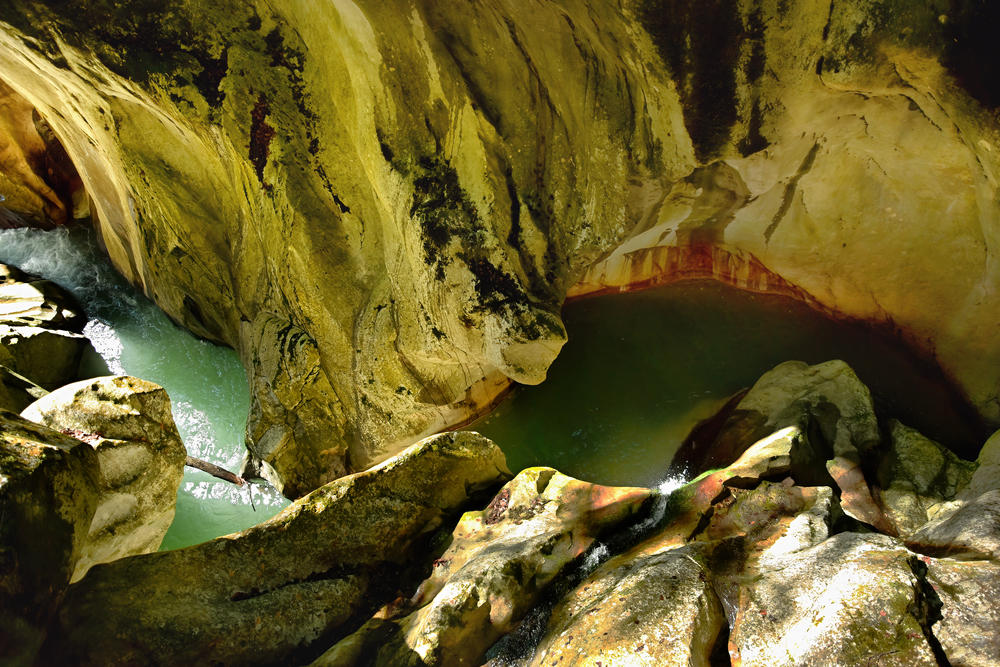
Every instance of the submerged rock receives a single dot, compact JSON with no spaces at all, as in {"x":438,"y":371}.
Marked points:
{"x":129,"y":423}
{"x":499,"y":562}
{"x":49,"y":491}
{"x":275,"y":592}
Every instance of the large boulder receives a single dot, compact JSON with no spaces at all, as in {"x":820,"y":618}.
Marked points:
{"x":274,"y":593}
{"x":49,"y":491}
{"x":499,"y":563}
{"x":406,"y":192}
{"x":129,"y":423}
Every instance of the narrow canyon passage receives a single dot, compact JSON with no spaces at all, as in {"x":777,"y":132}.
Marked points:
{"x":206,"y":382}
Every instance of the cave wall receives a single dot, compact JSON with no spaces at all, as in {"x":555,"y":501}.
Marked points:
{"x":382,"y":205}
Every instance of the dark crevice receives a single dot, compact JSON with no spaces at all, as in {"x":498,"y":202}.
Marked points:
{"x":926,"y":608}
{"x":786,"y":200}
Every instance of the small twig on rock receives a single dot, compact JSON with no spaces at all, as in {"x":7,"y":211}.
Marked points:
{"x":214,"y":470}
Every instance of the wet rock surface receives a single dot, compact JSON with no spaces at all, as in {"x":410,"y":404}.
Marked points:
{"x":40,"y":339}
{"x":49,"y":492}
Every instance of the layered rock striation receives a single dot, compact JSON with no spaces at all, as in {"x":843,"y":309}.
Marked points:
{"x":382,"y":206}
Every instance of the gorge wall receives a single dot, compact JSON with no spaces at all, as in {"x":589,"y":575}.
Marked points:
{"x":382,"y":205}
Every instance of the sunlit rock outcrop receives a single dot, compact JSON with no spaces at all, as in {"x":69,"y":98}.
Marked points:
{"x":382,"y":205}
{"x":273,"y":593}
{"x":500,"y":561}
{"x":140,"y":459}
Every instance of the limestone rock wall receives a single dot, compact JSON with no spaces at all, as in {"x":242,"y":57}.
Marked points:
{"x":382,"y":205}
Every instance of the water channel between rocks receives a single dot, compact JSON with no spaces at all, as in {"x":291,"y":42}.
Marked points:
{"x":206,"y":382}
{"x":639,"y":371}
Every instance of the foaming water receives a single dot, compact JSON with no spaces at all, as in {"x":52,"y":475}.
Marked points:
{"x":206,"y":382}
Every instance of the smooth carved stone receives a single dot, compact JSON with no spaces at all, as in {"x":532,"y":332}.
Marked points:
{"x":29,"y":301}
{"x":39,"y":183}
{"x":49,"y":491}
{"x":276,"y":592}
{"x":499,"y":562}
{"x":129,"y":423}
{"x":418,"y":198}
{"x":48,"y":357}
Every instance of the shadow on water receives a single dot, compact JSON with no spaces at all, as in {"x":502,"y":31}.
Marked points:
{"x":641,"y":369}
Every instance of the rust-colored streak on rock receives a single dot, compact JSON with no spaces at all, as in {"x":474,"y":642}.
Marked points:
{"x":663,"y":265}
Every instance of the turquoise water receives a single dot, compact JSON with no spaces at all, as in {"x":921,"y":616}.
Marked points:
{"x":206,"y":383}
{"x":641,"y":369}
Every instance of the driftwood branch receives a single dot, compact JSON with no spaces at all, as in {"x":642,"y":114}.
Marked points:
{"x":215,"y":470}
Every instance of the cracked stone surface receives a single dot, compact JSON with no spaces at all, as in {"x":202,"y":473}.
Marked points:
{"x":411,"y":190}
{"x":277,"y":588}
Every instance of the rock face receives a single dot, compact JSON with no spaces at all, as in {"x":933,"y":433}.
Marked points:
{"x":752,"y":568}
{"x":39,"y":184}
{"x":140,"y":458}
{"x":272,"y":593}
{"x":383,"y":205}
{"x":48,"y":496}
{"x":499,"y":562}
{"x":40,"y":339}
{"x":892,"y":560}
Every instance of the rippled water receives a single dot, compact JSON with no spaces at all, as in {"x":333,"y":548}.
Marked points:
{"x":206,"y":382}
{"x":641,"y":369}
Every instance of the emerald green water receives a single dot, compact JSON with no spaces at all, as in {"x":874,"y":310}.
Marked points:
{"x":641,"y":369}
{"x":638,"y":372}
{"x":206,"y":383}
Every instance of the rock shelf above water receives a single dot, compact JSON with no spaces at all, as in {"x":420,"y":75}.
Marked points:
{"x":383,"y":205}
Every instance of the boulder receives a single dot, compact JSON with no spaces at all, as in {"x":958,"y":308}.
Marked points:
{"x":969,"y":629}
{"x":969,"y":525}
{"x":16,"y":391}
{"x":49,"y":491}
{"x":128,"y":422}
{"x":826,"y":400}
{"x":26,"y":300}
{"x":48,"y":357}
{"x":915,"y":476}
{"x":280,"y":591}
{"x":499,"y":562}
{"x":657,"y":610}
{"x":412,"y":205}
{"x":851,"y":599}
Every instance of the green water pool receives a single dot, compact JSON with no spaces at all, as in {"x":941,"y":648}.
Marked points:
{"x":640,"y":369}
